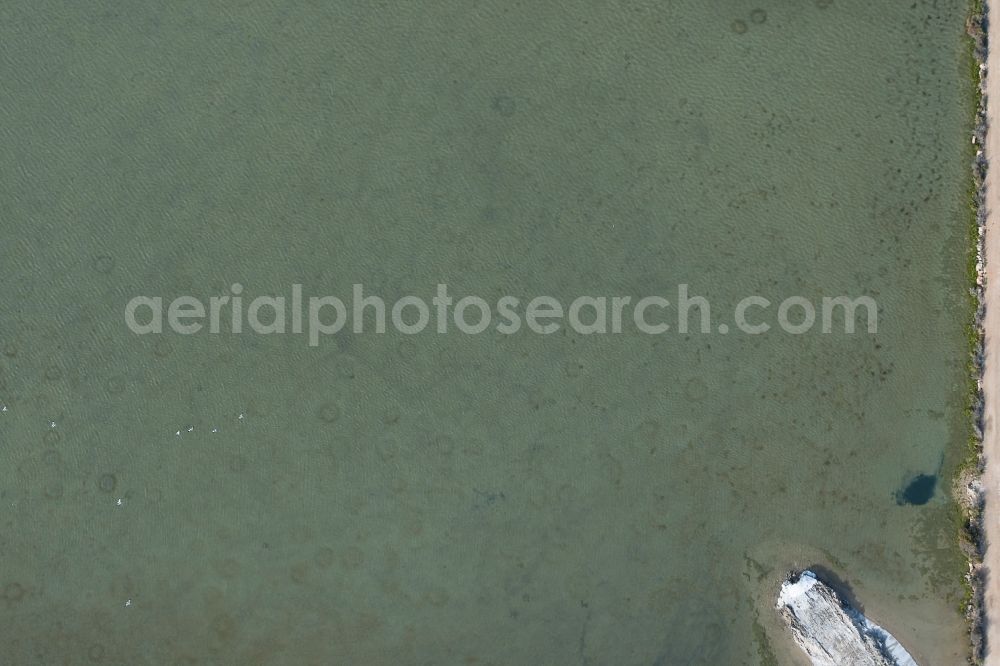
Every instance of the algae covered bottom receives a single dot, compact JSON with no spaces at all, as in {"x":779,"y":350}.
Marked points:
{"x":481,"y":499}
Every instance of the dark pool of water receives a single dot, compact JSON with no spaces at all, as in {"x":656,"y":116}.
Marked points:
{"x":918,"y":491}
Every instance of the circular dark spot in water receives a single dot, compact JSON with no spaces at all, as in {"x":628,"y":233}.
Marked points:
{"x":228,"y":568}
{"x":413,"y":526}
{"x":162,"y":348}
{"x":407,"y":350}
{"x":391,"y":416}
{"x":224,"y":627}
{"x":115,"y":385}
{"x":13,"y":592}
{"x":758,"y":16}
{"x":104,"y":263}
{"x":123,"y":586}
{"x":348,"y":367}
{"x":107,"y":482}
{"x":738,"y":26}
{"x":648,"y":431}
{"x":918,"y":491}
{"x":299,"y":572}
{"x":52,"y":437}
{"x":575,"y":368}
{"x":52,"y":373}
{"x":328,"y":412}
{"x":436,"y":597}
{"x":398,"y":485}
{"x":353,"y":557}
{"x":696,"y":389}
{"x":324,"y":557}
{"x":95,"y":652}
{"x":504,"y":105}
{"x":388,"y":446}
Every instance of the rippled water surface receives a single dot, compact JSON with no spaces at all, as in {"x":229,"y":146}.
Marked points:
{"x":475,"y":499}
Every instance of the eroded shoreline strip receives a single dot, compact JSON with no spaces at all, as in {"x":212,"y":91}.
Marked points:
{"x":980,"y":473}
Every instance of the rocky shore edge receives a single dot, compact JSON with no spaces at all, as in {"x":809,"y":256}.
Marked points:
{"x":969,"y":487}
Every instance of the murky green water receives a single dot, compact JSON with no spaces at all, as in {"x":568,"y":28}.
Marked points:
{"x":458,"y":499}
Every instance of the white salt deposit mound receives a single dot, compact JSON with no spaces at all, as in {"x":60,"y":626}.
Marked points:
{"x":831,"y":632}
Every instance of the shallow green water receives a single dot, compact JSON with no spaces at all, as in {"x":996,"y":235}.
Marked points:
{"x":490,"y":499}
